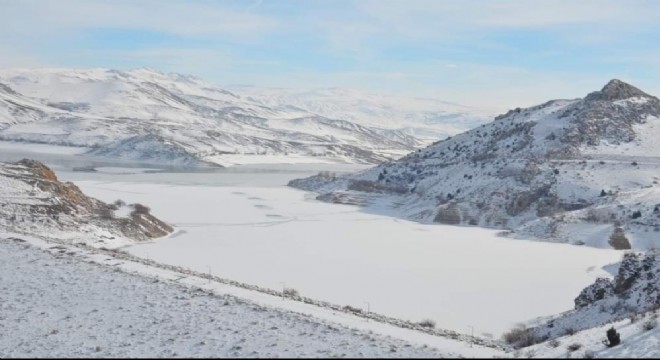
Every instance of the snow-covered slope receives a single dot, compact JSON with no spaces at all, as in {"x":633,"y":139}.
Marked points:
{"x":57,"y":303}
{"x":421,"y":117}
{"x":148,"y":115}
{"x":639,"y":339}
{"x":629,"y":303}
{"x":635,"y":289}
{"x":580,"y":171}
{"x":33,"y":201}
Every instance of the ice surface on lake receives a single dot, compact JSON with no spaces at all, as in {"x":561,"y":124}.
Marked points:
{"x":246,"y":225}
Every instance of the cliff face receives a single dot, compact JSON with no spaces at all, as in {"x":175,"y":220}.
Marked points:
{"x":33,"y":201}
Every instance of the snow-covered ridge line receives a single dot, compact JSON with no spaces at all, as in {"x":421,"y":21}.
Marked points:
{"x":402,"y":329}
{"x":148,"y":115}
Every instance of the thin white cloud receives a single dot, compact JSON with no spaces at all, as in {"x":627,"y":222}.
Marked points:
{"x":510,"y":13}
{"x":164,"y":16}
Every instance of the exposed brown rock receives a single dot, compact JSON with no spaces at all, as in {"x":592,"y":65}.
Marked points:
{"x":64,"y":199}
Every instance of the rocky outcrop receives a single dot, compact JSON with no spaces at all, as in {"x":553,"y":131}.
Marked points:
{"x":614,"y":90}
{"x":35,"y":202}
{"x":634,"y":290}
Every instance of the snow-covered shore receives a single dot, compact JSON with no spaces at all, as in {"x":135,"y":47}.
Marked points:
{"x":67,"y":301}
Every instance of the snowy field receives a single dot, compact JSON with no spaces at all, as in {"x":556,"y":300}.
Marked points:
{"x":247,"y":226}
{"x":56,"y":304}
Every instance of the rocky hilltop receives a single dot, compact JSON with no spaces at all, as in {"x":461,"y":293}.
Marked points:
{"x":583,"y":171}
{"x":34,"y":202}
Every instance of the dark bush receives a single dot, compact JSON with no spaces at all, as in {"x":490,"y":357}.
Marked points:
{"x":106,"y":213}
{"x":618,"y":240}
{"x":521,"y":336}
{"x":289,"y":292}
{"x":613,"y":338}
{"x":372,"y":186}
{"x":574,"y":347}
{"x":427,"y":323}
{"x":352,"y":309}
{"x":139,"y":209}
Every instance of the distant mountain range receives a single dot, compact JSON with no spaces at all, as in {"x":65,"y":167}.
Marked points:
{"x":584,"y":171}
{"x":150,"y":116}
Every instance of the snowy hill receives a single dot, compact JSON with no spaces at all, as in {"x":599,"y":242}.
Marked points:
{"x":33,"y":201}
{"x":152,"y":116}
{"x":420,"y":117}
{"x":583,"y":171}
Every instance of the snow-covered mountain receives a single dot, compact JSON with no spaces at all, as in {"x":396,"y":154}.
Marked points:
{"x":152,"y":116}
{"x":421,"y":117}
{"x":34,"y":202}
{"x":579,"y":171}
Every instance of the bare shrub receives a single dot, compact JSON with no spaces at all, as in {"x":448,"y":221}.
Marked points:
{"x":569,"y":331}
{"x":574,"y":347}
{"x":602,"y":216}
{"x":520,"y":336}
{"x":633,"y":318}
{"x":139,"y":209}
{"x":372,"y":186}
{"x":352,"y":309}
{"x":554,"y":343}
{"x":427,"y":323}
{"x":290,"y":292}
{"x":106,"y":213}
{"x":618,"y":239}
{"x":650,"y":324}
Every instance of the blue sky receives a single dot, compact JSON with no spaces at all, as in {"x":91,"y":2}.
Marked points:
{"x":492,"y":53}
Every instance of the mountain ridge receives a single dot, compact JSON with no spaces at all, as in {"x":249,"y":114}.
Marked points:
{"x":102,"y":108}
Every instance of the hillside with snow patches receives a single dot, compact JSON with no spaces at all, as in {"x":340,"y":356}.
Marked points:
{"x":34,"y":202}
{"x":583,"y":171}
{"x":150,"y":116}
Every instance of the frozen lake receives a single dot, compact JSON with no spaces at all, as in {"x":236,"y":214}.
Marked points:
{"x":244,"y":224}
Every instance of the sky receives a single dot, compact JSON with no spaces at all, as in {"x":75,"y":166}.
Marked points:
{"x":497,"y":53}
